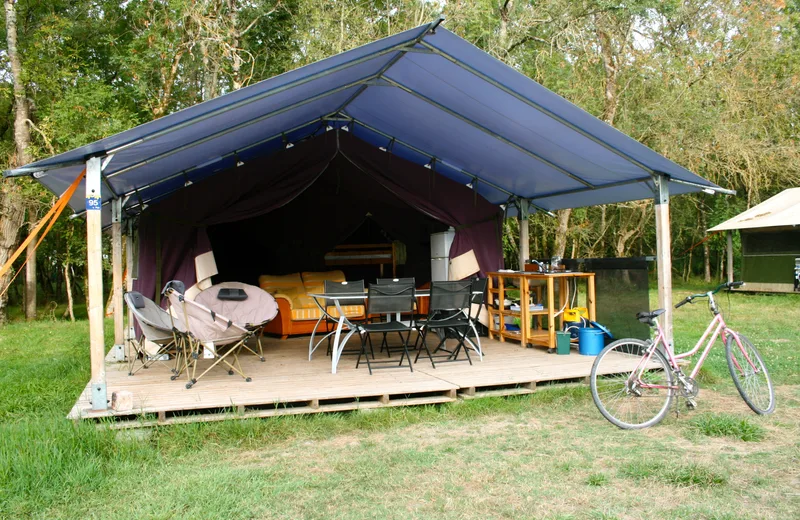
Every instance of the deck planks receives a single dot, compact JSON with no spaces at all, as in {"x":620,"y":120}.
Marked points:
{"x":287,"y":383}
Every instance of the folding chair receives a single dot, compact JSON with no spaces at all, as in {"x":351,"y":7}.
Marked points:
{"x":205,"y":332}
{"x":388,"y":299}
{"x":477,"y":301}
{"x":449,"y":312}
{"x":247,"y":305}
{"x":156,"y":326}
{"x":394,"y":281}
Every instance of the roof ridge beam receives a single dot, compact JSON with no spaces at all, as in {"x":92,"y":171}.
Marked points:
{"x":388,"y":65}
{"x":539,"y":107}
{"x":490,"y":132}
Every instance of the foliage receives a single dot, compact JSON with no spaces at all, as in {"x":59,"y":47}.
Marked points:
{"x":710,"y":84}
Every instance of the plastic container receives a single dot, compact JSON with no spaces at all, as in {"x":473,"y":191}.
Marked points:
{"x":590,"y":341}
{"x":562,"y":343}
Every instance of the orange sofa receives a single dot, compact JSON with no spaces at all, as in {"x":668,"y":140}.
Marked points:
{"x":297,"y":312}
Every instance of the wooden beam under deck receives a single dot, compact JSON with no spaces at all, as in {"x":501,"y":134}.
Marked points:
{"x":287,"y":383}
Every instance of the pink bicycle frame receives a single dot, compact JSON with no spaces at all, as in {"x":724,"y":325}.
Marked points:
{"x":718,"y":327}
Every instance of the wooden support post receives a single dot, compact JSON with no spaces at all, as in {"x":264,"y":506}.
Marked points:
{"x":664,"y":253}
{"x":94,"y":262}
{"x":116,"y":263}
{"x":729,"y":236}
{"x":30,"y":282}
{"x":129,"y":349}
{"x":524,"y":235}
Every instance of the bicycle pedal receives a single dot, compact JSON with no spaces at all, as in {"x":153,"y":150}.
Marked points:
{"x":691,"y":404}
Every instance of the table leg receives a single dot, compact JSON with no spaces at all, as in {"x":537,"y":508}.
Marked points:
{"x":524,"y":312}
{"x":551,"y":319}
{"x":591,"y":297}
{"x":335,"y":351}
{"x":563,"y":301}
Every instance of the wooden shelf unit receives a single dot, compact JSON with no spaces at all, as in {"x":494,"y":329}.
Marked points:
{"x":521,"y":281}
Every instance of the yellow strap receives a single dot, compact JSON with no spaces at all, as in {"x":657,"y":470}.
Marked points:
{"x":51,"y":216}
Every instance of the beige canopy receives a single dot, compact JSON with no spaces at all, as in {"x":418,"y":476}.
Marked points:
{"x":779,"y":211}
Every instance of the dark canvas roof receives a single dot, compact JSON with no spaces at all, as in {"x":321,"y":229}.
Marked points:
{"x":425,"y":95}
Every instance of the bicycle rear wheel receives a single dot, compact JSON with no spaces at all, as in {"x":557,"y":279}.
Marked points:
{"x":750,"y":377}
{"x":616,"y":385}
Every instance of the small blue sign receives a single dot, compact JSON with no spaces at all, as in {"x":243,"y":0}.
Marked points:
{"x":93,"y":202}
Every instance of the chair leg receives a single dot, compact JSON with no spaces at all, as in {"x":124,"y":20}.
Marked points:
{"x":425,"y":345}
{"x":364,"y":352}
{"x":461,"y":345}
{"x":405,"y":352}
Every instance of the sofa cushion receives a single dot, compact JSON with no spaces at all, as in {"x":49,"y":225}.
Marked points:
{"x":282,"y":283}
{"x":351,"y":311}
{"x":314,"y":282}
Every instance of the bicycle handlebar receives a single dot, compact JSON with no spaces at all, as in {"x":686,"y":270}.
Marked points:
{"x":726,"y":285}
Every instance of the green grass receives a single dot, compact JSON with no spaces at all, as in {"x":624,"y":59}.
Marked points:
{"x":727,"y":425}
{"x":674,"y":473}
{"x":545,"y":455}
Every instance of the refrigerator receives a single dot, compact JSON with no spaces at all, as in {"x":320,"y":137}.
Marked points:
{"x":440,"y":254}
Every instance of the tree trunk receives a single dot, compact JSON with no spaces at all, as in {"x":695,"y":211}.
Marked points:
{"x":706,"y":248}
{"x":30,"y":282}
{"x":22,"y":134}
{"x":561,"y":232}
{"x":70,"y":306}
{"x":11,"y":218}
{"x":12,"y":214}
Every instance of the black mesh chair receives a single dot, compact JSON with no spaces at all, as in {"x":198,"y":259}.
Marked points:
{"x":478,"y":300}
{"x":393,"y":282}
{"x":388,"y":299}
{"x":349,"y":287}
{"x":449,"y":315}
{"x":390,"y":281}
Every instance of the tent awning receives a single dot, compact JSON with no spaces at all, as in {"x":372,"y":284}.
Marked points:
{"x":779,"y":211}
{"x":425,"y":94}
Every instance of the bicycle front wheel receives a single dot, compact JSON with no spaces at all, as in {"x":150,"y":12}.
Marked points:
{"x":750,"y":375}
{"x":630,"y":393}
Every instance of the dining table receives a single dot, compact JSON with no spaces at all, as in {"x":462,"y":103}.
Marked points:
{"x":343,"y":322}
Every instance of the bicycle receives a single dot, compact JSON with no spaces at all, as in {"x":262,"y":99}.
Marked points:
{"x":642,"y":397}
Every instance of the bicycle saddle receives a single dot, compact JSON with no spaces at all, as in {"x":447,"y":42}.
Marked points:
{"x":647,"y":317}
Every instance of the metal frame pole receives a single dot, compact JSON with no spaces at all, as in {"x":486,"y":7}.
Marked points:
{"x":129,"y":349}
{"x":664,"y":252}
{"x":729,"y":237}
{"x":524,"y":236}
{"x":116,"y":261}
{"x":94,"y":258}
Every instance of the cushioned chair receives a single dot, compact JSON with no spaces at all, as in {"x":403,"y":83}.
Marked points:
{"x":207,"y":334}
{"x":156,"y":326}
{"x":298,"y":313}
{"x":249,"y":306}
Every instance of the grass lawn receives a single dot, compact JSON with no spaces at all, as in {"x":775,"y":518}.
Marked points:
{"x":547,"y":455}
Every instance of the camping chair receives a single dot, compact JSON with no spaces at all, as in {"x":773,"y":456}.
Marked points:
{"x":206,"y":332}
{"x":477,"y":301}
{"x":393,"y":281}
{"x":250,"y":306}
{"x":449,"y":311}
{"x":156,"y":326}
{"x":387,"y":299}
{"x":352,"y":314}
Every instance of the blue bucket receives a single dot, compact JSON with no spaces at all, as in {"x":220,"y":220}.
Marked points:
{"x":590,"y":341}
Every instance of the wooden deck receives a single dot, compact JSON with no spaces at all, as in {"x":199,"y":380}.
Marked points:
{"x":287,"y":383}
